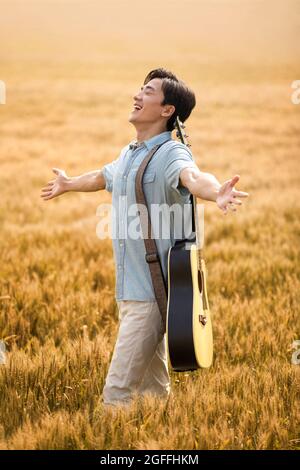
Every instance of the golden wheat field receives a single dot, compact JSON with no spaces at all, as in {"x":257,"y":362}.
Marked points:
{"x":71,"y":69}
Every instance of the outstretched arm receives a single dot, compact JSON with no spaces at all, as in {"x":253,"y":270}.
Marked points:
{"x":207,"y":187}
{"x":91,"y":181}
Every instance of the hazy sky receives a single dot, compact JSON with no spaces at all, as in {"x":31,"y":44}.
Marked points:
{"x":215,"y":29}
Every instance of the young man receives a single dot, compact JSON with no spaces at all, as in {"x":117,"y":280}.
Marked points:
{"x":139,"y":363}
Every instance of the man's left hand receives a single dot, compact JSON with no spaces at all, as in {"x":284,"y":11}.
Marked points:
{"x":227,"y":197}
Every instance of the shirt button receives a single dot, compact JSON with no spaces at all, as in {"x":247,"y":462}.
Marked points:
{"x":121,"y":243}
{"x":120,"y":266}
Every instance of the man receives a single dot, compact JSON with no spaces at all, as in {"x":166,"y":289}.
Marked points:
{"x":139,"y":363}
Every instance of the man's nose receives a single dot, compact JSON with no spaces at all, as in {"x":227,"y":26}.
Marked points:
{"x":136,"y":96}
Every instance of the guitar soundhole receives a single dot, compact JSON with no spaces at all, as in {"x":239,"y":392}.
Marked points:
{"x":200,"y":281}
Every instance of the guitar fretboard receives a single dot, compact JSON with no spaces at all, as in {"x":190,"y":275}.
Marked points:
{"x":198,"y":209}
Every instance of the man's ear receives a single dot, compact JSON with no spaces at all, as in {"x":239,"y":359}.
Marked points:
{"x":168,"y":110}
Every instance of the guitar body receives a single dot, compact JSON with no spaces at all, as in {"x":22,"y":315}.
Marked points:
{"x":188,"y":322}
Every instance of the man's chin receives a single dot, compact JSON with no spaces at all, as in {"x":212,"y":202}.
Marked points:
{"x":132,"y":118}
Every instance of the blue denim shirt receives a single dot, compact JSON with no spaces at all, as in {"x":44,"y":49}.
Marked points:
{"x":161,"y":186}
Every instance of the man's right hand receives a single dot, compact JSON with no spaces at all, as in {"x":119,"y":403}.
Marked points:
{"x":57,"y":186}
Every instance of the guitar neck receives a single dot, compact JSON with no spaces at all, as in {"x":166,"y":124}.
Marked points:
{"x":199,"y":224}
{"x":199,"y":228}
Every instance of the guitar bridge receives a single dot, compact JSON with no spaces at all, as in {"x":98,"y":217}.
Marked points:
{"x":203,"y":319}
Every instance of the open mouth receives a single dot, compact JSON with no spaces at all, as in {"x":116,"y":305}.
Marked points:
{"x":137,"y":107}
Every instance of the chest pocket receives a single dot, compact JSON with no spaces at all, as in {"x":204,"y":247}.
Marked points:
{"x":149,"y":177}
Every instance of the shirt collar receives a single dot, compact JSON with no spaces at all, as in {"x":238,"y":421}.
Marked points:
{"x":155,"y":140}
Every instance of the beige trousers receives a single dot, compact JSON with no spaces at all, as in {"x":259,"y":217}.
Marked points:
{"x":139,"y":362}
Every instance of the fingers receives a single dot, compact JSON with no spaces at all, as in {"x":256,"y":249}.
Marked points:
{"x":50,"y":182}
{"x":46,"y":197}
{"x":46,"y":192}
{"x":49,"y":191}
{"x":47,"y":187}
{"x":235,"y":201}
{"x":49,"y":195}
{"x":235,"y":193}
{"x":231,"y":206}
{"x":239,"y":193}
{"x":234,"y":180}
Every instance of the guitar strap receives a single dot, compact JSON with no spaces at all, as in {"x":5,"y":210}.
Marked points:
{"x":152,"y":256}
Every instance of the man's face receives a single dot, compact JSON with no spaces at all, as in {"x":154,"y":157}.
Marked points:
{"x":146,"y":106}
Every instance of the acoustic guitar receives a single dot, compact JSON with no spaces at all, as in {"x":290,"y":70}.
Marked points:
{"x":188,"y":321}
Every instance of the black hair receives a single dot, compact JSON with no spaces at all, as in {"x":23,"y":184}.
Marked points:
{"x":176,"y":92}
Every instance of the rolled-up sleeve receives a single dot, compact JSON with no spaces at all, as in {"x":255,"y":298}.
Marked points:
{"x":108,"y":173}
{"x":177,"y":161}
